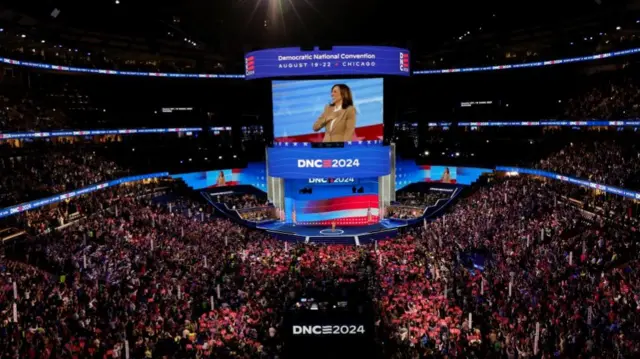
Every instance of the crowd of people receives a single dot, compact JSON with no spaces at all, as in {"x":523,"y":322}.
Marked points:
{"x":38,"y":175}
{"x":602,"y":162}
{"x":25,"y":114}
{"x":613,"y":101}
{"x":547,"y":266}
{"x":521,"y":268}
{"x":259,"y":214}
{"x":421,"y":199}
{"x":242,"y":200}
{"x":168,"y":282}
{"x":403,"y":212}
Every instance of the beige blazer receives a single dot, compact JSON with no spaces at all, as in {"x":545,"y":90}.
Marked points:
{"x":344,"y":124}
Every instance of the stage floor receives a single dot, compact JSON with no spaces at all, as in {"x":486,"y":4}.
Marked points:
{"x":325,"y":231}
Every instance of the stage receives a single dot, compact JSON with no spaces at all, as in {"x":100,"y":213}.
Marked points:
{"x":342,"y":234}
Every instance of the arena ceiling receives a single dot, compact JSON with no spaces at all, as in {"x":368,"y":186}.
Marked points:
{"x":231,"y":27}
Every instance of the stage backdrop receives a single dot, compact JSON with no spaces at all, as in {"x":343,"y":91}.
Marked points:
{"x":298,"y":104}
{"x":253,"y":175}
{"x":407,"y":172}
{"x":320,"y":201}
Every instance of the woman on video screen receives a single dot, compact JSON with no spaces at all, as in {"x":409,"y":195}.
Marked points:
{"x":338,"y":118}
{"x":220,"y":181}
{"x":446,"y":176}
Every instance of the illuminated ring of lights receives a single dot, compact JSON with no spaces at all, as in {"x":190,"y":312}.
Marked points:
{"x":44,"y":66}
{"x":330,"y":232}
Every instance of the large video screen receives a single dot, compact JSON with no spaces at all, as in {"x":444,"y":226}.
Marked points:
{"x":253,"y":175}
{"x":310,"y":111}
{"x":320,"y":201}
{"x":408,"y":172}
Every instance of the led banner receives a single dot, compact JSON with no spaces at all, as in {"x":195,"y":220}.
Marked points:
{"x":531,"y":64}
{"x":4,"y":212}
{"x":590,"y":123}
{"x":39,"y":65}
{"x":341,"y":60}
{"x":74,"y":133}
{"x":253,"y":175}
{"x":308,"y":162}
{"x":390,"y":65}
{"x":408,"y":172}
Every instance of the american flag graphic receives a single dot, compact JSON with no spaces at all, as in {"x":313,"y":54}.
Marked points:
{"x":404,"y":62}
{"x":249,"y":64}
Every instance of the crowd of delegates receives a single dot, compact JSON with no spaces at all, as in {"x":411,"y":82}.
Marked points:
{"x":528,"y":239}
{"x":403,"y":212}
{"x":26,"y":114}
{"x":625,"y":211}
{"x":603,"y":162}
{"x":614,"y":101}
{"x":259,"y":214}
{"x":421,"y":199}
{"x":48,"y":218}
{"x":242,"y":200}
{"x":36,"y":176}
{"x":169,"y":282}
{"x":148,"y":274}
{"x":412,"y":205}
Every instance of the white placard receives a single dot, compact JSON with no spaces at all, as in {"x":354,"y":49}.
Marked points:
{"x":536,"y":339}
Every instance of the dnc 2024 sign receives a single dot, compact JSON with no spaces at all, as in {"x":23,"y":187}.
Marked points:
{"x":348,"y":162}
{"x":340,"y":60}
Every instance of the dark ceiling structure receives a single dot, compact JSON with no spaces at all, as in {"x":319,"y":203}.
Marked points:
{"x":228,"y":28}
